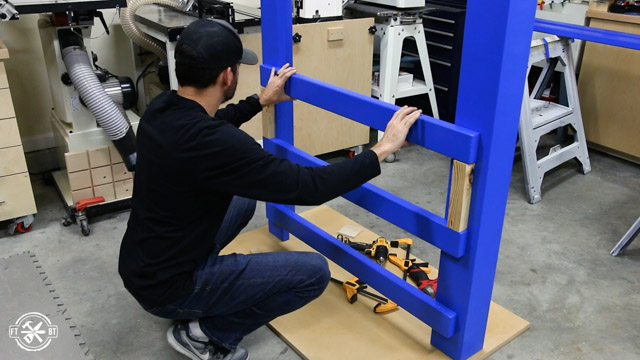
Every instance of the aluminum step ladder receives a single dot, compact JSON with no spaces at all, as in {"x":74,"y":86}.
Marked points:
{"x":539,"y":117}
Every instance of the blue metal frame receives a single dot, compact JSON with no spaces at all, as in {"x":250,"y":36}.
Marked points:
{"x":492,"y":76}
{"x":608,"y":37}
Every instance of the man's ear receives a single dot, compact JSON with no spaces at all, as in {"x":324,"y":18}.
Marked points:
{"x":227,"y":77}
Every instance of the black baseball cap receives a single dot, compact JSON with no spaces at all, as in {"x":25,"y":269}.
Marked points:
{"x":212,"y":44}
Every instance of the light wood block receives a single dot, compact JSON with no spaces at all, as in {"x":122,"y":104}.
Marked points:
{"x":4,"y":82}
{"x":9,"y":133}
{"x":330,"y":327}
{"x":12,"y":161}
{"x":607,"y":89}
{"x":107,"y":191}
{"x":460,"y":196}
{"x":101,"y":175}
{"x":76,"y":161}
{"x":114,"y":155}
{"x":99,"y":157}
{"x":77,"y":195}
{"x":6,"y":104}
{"x":123,"y":188}
{"x":16,"y":197}
{"x":120,"y":172}
{"x":80,"y":180}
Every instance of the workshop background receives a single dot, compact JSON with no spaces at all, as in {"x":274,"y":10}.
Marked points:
{"x":564,"y":219}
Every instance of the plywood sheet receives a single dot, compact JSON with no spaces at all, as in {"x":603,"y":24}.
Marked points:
{"x":318,"y":131}
{"x":606,"y":88}
{"x":346,"y":63}
{"x":329,"y":326}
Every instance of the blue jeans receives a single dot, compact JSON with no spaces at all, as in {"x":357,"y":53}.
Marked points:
{"x":235,"y":294}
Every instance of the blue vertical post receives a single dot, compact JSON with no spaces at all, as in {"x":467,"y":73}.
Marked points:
{"x":494,"y":63}
{"x":277,"y":51}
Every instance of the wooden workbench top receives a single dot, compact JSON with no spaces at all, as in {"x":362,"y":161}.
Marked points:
{"x":597,"y":14}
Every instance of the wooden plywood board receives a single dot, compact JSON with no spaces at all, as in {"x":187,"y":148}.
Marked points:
{"x":606,"y":89}
{"x":346,"y":63}
{"x":318,"y":131}
{"x":329,"y":326}
{"x":249,"y":83}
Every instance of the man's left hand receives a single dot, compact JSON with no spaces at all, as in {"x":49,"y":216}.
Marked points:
{"x":274,"y":92}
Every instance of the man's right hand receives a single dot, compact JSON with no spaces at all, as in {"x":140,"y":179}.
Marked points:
{"x":396,"y":132}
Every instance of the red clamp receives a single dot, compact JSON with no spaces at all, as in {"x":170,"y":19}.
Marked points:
{"x":82,"y":204}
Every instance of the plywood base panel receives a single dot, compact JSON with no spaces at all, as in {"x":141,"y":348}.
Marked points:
{"x":331,"y":328}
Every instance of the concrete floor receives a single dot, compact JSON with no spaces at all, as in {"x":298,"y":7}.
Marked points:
{"x":554,"y":269}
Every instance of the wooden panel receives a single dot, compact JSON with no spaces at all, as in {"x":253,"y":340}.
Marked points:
{"x":120,"y":172}
{"x":460,"y":195}
{"x":101,"y":175}
{"x":346,"y":63}
{"x":318,"y":131}
{"x":4,"y":82}
{"x":107,"y":191}
{"x":99,"y":157}
{"x":115,"y":155}
{"x":13,"y":161}
{"x":9,"y":134}
{"x":76,"y":161}
{"x":123,"y":188}
{"x":398,"y":334}
{"x":6,"y":105}
{"x":77,"y":195}
{"x":16,"y":196}
{"x":80,"y":180}
{"x":249,"y":83}
{"x":4,"y":52}
{"x":607,"y":89}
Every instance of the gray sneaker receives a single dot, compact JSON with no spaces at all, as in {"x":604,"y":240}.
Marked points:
{"x":180,"y":339}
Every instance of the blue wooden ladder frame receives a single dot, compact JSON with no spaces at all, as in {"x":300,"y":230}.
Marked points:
{"x":495,"y":53}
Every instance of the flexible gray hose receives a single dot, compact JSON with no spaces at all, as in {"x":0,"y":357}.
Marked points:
{"x":95,"y":97}
{"x":128,"y":22}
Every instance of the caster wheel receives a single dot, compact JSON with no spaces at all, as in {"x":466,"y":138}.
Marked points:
{"x":22,"y":229}
{"x":391,"y":158}
{"x":66,"y":221}
{"x":84,"y":227}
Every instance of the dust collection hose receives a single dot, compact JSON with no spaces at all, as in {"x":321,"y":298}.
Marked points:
{"x":84,"y":79}
{"x":127,"y":20}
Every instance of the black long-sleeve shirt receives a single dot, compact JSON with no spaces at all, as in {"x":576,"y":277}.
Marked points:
{"x":189,"y":167}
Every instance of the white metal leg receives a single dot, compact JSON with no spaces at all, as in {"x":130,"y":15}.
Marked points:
{"x":392,"y":36}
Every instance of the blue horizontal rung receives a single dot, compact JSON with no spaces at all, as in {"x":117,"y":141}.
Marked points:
{"x":441,"y":319}
{"x":440,"y":136}
{"x":608,"y":37}
{"x":412,"y":218}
